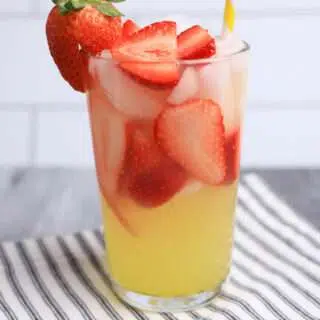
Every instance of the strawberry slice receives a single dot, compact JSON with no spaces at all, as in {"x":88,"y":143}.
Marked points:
{"x":94,"y":30}
{"x":64,"y":50}
{"x":193,"y":135}
{"x":233,"y":157}
{"x":206,"y":52}
{"x":164,"y":73}
{"x":191,"y":41}
{"x":153,"y":178}
{"x":154,"y":43}
{"x":129,"y":28}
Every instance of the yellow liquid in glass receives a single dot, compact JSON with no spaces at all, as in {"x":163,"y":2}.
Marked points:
{"x":181,"y":248}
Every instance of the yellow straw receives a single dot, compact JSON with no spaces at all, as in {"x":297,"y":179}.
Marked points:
{"x":229,"y":17}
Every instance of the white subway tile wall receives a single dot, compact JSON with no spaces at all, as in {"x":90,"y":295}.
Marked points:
{"x":281,"y":138}
{"x":27,"y":72}
{"x":15,"y":6}
{"x":15,"y":137}
{"x":63,"y":138}
{"x":45,"y":6}
{"x":44,"y":123}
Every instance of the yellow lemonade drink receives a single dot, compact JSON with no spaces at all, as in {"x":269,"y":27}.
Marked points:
{"x":182,"y":247}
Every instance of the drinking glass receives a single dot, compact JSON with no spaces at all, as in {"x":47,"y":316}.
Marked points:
{"x":168,"y":234}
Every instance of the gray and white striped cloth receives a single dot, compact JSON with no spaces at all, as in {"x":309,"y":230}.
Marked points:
{"x":275,"y":272}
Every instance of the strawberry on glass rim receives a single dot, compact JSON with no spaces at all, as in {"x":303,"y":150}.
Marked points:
{"x":75,"y":26}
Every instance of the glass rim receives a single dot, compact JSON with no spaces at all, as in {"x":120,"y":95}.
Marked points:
{"x":229,"y":56}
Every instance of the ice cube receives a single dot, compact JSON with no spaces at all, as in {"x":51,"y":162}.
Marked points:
{"x":109,"y":141}
{"x":187,"y":87}
{"x":228,"y":45}
{"x":216,"y":83}
{"x":232,"y":45}
{"x":97,"y":100}
{"x":240,"y":79}
{"x":133,"y":99}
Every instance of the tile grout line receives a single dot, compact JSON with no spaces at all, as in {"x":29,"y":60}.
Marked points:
{"x":36,"y":14}
{"x":45,"y":107}
{"x":81,"y":107}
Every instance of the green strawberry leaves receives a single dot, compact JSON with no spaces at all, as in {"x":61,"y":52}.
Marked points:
{"x":108,"y":9}
{"x":104,"y":6}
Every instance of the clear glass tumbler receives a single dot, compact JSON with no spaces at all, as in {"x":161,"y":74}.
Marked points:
{"x":167,"y":162}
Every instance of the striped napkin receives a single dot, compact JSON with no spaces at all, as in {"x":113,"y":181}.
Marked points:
{"x":275,"y":272}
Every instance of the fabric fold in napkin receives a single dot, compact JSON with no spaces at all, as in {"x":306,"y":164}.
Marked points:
{"x":275,"y":272}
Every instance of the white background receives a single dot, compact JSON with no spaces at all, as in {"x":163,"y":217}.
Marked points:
{"x":44,"y":123}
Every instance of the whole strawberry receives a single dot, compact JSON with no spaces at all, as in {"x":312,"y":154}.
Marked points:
{"x":76,"y":28}
{"x":64,"y":50}
{"x":94,"y":30}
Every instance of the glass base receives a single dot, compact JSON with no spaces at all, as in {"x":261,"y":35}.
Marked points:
{"x":160,"y":304}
